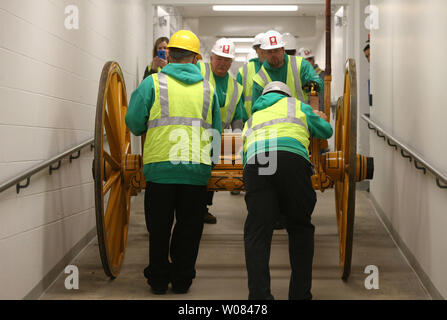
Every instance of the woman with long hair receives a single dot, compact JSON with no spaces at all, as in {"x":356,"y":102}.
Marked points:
{"x":158,"y":60}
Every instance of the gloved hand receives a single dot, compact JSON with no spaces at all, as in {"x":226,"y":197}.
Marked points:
{"x":311,"y":84}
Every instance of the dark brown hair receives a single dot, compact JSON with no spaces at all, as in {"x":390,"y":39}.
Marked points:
{"x":159,"y":40}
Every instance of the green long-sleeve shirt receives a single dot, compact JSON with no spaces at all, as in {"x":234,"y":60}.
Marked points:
{"x":137,"y":116}
{"x":318,"y":128}
{"x":280,"y":74}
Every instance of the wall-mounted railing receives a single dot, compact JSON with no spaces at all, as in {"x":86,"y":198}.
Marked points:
{"x":73,"y":153}
{"x":406,"y":152}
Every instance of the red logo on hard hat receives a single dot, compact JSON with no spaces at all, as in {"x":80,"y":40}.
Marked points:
{"x":226,"y":49}
{"x":273,"y":41}
{"x":307,"y":52}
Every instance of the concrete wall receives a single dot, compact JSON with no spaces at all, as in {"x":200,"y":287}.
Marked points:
{"x":48,"y":91}
{"x":407,"y":73}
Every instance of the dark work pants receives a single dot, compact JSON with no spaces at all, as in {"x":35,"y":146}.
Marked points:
{"x":161,"y":201}
{"x":287,"y":191}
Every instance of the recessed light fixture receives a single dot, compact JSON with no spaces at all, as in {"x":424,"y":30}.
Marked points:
{"x":244,"y":50}
{"x":242,"y":39}
{"x":255,"y":8}
{"x":240,"y":59}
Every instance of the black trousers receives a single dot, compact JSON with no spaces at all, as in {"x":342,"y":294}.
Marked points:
{"x":161,"y":201}
{"x":287,"y":191}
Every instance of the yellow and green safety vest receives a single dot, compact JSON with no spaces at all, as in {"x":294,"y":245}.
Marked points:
{"x":178,"y":122}
{"x":248,"y":71}
{"x":284,"y":119}
{"x":233,"y":94}
{"x":293,"y":78}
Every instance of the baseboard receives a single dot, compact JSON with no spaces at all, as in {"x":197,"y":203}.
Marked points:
{"x":51,"y":276}
{"x":423,"y":277}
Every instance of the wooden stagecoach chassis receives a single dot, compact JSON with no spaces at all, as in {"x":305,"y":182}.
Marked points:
{"x":118,"y":173}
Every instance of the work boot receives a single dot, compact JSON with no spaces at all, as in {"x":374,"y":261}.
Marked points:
{"x":209,"y":218}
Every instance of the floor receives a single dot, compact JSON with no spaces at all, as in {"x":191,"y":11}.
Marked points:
{"x":220,"y":265}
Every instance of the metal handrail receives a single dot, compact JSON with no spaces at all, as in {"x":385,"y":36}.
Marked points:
{"x":48,"y":163}
{"x":419,"y":163}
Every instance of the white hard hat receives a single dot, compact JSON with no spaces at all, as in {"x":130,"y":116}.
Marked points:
{"x":258,"y":38}
{"x":224,"y":48}
{"x":289,"y":40}
{"x":305,"y":53}
{"x":271,"y":40}
{"x":277,"y":86}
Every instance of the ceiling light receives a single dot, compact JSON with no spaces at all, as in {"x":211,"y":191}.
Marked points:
{"x":240,"y":59}
{"x":254,"y":8}
{"x":244,"y":50}
{"x":242,"y":39}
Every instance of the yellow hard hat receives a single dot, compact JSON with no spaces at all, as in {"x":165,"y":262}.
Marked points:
{"x":187,"y":40}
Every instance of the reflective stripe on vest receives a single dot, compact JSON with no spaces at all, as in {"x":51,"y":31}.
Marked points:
{"x":178,"y":122}
{"x":166,"y":120}
{"x":296,"y":79}
{"x":230,"y":109}
{"x":231,"y":98}
{"x":248,"y":71}
{"x":291,"y":118}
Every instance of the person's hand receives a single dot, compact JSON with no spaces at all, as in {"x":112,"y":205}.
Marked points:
{"x":322,"y":115}
{"x":157,"y":62}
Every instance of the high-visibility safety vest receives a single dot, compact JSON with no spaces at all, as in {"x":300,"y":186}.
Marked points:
{"x":247,"y":72}
{"x":293,"y":80}
{"x":284,"y":119}
{"x":234,"y":93}
{"x":178,"y":122}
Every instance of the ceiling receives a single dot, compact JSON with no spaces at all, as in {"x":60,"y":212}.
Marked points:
{"x":195,"y":11}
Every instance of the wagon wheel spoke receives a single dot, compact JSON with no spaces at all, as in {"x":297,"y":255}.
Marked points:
{"x":114,"y":163}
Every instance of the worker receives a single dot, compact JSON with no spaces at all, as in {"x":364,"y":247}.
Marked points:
{"x":175,"y":108}
{"x":278,"y":66}
{"x":310,"y":57}
{"x":229,"y":94}
{"x":159,"y":57}
{"x":247,"y":72}
{"x":366,"y":52}
{"x":367,"y":56}
{"x":289,"y":43}
{"x":279,"y":131}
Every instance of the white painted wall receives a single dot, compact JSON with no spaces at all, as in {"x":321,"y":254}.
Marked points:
{"x":48,"y":91}
{"x":407,"y":72}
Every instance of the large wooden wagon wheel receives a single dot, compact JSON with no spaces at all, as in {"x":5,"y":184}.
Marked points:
{"x":346,"y":142}
{"x":112,"y":144}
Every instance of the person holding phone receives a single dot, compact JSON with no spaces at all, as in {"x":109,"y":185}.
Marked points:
{"x":159,"y":55}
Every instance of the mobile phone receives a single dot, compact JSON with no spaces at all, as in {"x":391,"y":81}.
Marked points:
{"x":161,"y":54}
